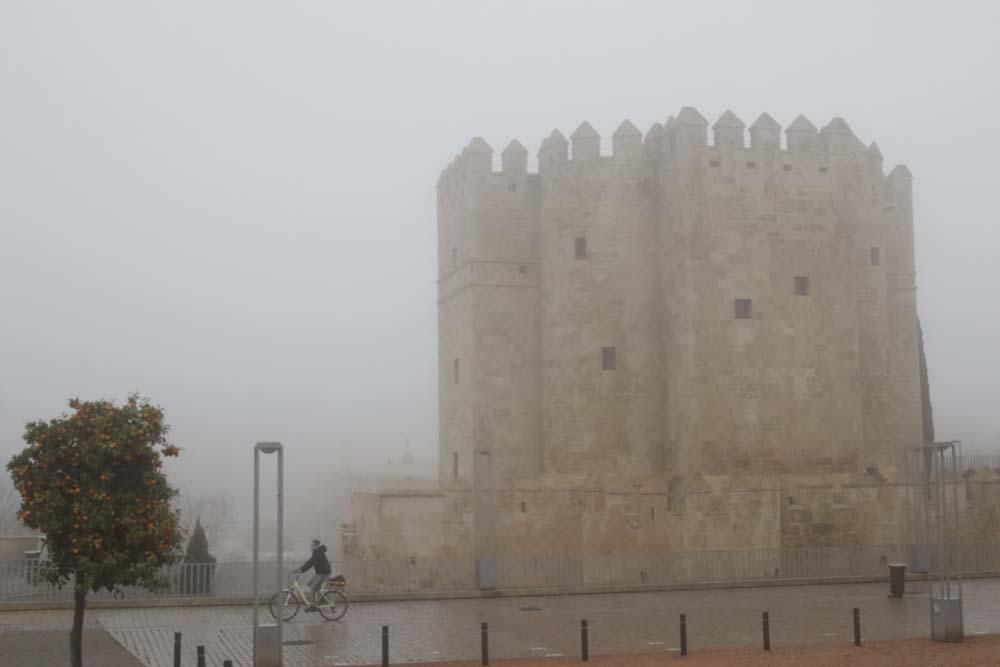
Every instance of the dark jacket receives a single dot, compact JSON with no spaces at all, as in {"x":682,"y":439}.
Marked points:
{"x":318,"y":561}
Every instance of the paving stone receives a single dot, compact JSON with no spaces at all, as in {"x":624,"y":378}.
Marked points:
{"x":619,"y":624}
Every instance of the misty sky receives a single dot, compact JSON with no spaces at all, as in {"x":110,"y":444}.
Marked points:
{"x":229,"y":206}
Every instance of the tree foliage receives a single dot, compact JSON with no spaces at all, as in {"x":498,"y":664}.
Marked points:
{"x":199,"y":572}
{"x":92,"y":483}
{"x":197,"y":549}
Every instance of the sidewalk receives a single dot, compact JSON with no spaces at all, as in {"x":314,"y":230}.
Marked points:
{"x":50,"y":648}
{"x":622,"y":624}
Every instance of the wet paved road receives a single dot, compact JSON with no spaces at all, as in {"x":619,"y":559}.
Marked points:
{"x":539,"y":626}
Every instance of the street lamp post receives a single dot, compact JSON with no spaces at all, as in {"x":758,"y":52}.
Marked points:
{"x":266,"y":638}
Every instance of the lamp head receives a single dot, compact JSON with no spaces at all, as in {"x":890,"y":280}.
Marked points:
{"x":268,"y":447}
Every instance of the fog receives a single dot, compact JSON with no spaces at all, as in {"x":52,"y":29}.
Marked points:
{"x":229,"y":206}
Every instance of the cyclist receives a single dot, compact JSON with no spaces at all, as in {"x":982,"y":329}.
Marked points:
{"x":321,"y":566}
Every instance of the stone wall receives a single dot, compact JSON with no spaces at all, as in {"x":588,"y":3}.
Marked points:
{"x":682,"y":346}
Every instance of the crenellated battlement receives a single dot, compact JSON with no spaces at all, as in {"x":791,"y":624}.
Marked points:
{"x":682,"y":136}
{"x":626,"y":142}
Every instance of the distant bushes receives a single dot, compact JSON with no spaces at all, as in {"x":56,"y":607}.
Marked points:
{"x":198,"y":572}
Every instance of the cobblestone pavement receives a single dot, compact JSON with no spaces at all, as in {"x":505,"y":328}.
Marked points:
{"x":619,"y":624}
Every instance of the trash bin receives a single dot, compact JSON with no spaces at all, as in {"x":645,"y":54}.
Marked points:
{"x":897,"y":579}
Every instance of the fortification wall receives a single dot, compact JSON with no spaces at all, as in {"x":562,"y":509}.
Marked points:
{"x":902,"y":415}
{"x":631,"y":266}
{"x":793,"y":386}
{"x":600,"y":330}
{"x":489,"y":341}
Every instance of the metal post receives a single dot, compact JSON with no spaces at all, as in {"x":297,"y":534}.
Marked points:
{"x":227,"y":663}
{"x":767,"y":632}
{"x":385,"y":646}
{"x":857,"y":627}
{"x":267,"y":643}
{"x":201,"y":656}
{"x":177,"y":649}
{"x":256,"y":534}
{"x":279,"y":574}
{"x":584,"y":641}
{"x":684,"y":635}
{"x":946,"y":577}
{"x":945,"y":574}
{"x":956,"y":524}
{"x":485,"y":639}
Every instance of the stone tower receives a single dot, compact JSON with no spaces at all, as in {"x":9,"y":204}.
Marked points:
{"x":674,"y":346}
{"x":677,"y":306}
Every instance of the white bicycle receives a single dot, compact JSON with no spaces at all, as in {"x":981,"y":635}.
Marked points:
{"x":331,"y":601}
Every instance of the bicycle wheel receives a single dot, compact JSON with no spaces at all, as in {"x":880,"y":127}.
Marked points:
{"x":285,"y":604}
{"x":333,"y":605}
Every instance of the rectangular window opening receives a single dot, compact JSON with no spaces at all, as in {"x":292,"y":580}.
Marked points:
{"x":609,"y":361}
{"x":801,"y":285}
{"x":786,"y":167}
{"x":522,"y":269}
{"x":751,"y":165}
{"x":713,"y":163}
{"x":874,"y":257}
{"x":456,"y":370}
{"x":743,"y":309}
{"x":454,"y":465}
{"x":454,"y":258}
{"x":580,"y":247}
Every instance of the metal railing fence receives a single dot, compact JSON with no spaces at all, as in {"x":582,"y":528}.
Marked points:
{"x":22,"y":580}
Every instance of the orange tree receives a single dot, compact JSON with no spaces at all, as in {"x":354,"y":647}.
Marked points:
{"x":92,"y":483}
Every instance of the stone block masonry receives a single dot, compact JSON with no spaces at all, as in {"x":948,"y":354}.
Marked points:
{"x":682,"y":345}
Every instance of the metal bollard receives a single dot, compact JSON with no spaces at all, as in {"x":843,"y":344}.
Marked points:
{"x":857,"y":627}
{"x":227,"y":663}
{"x":767,"y":632}
{"x":485,"y":638}
{"x":584,"y":641}
{"x":177,"y":649}
{"x":201,"y":656}
{"x":385,"y":646}
{"x":684,"y":635}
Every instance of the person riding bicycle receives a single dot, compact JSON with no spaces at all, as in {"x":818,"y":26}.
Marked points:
{"x":321,"y":566}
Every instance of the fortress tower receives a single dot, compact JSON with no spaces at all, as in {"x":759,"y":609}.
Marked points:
{"x":675,"y":346}
{"x":677,"y":306}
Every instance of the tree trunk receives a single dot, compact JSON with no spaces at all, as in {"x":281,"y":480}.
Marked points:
{"x":76,"y":634}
